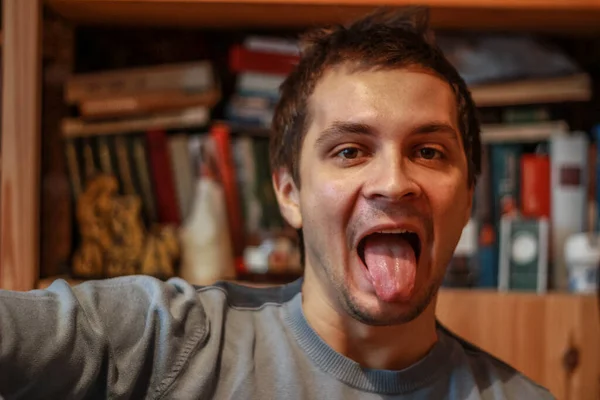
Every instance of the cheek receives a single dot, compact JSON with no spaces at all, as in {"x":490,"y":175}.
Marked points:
{"x":327,"y":204}
{"x":325,"y":197}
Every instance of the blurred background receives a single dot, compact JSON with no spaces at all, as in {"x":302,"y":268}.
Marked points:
{"x":134,"y":140}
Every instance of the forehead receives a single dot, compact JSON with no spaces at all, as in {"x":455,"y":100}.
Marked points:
{"x":389,"y":99}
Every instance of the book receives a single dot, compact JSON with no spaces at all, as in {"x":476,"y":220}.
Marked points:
{"x":162,"y":176}
{"x":487,"y":251}
{"x":73,"y":168}
{"x":192,"y":76}
{"x":181,"y":119}
{"x":142,"y":173}
{"x":272,"y":44}
{"x":524,"y":254}
{"x":221,"y":137}
{"x":242,"y":59}
{"x":137,"y":104}
{"x":535,"y":185}
{"x":245,"y":171}
{"x":462,"y":269}
{"x":522,"y":132}
{"x":595,"y":195}
{"x":532,"y":91}
{"x":259,"y":84}
{"x":568,"y":158}
{"x":183,"y":174}
{"x":505,"y":178}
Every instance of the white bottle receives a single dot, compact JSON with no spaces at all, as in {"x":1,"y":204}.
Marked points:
{"x":207,"y":254}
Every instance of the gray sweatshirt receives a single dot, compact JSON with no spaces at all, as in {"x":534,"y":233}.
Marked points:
{"x":140,"y":338}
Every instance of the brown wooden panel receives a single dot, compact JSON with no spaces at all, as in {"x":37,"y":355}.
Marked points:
{"x":533,"y":334}
{"x":56,"y":203}
{"x":19,"y":218}
{"x":565,"y":16}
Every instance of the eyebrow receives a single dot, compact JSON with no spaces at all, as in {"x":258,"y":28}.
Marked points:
{"x":437,"y":127}
{"x":341,"y":128}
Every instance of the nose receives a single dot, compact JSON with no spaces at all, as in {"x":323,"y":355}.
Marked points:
{"x":390,"y":179}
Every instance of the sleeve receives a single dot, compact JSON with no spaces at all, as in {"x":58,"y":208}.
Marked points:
{"x":120,"y":338}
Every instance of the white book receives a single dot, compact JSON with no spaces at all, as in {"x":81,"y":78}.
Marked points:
{"x":180,"y":119}
{"x":191,"y":76}
{"x":252,"y":82}
{"x":270,"y":44}
{"x":568,"y":155}
{"x":523,"y":133}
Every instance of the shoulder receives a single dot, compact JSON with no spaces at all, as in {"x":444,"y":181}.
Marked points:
{"x":141,"y":293}
{"x":248,"y":298}
{"x":495,"y":378}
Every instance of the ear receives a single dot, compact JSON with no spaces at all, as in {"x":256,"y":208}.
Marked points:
{"x":288,"y":197}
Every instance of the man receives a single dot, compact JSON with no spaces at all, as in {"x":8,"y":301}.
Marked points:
{"x":375,"y":155}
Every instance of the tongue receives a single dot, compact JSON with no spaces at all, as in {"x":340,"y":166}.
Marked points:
{"x":392,"y":265}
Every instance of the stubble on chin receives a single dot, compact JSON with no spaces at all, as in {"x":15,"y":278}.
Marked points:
{"x":388,"y":314}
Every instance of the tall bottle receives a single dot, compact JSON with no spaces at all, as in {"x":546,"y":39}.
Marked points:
{"x":207,"y":253}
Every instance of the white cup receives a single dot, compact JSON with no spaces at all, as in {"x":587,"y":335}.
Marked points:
{"x":582,"y":255}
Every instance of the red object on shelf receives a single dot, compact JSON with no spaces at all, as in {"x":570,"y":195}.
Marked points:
{"x":226,"y":171}
{"x":535,"y":185}
{"x":244,"y":60}
{"x":162,"y":177}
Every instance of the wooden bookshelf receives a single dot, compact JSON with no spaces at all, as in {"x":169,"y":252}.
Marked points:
{"x":566,"y":16}
{"x":537,"y":335}
{"x":21,"y":69}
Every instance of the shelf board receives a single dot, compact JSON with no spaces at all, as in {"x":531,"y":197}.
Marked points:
{"x":558,"y":16}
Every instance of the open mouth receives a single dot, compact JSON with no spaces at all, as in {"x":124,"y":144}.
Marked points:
{"x":409,"y":237}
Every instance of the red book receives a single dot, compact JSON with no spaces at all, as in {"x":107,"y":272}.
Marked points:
{"x":221,"y":137}
{"x":535,"y":185}
{"x":244,"y":60}
{"x":162,"y":177}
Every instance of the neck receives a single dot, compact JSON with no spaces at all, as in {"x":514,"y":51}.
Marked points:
{"x":377,"y":347}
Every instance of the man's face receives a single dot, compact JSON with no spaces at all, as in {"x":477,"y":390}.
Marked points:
{"x":384,"y":193}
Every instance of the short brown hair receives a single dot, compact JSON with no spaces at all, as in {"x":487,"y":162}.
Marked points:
{"x":384,"y":39}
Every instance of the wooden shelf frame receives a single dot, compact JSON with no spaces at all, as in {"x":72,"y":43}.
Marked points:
{"x":508,"y":325}
{"x":560,"y":16}
{"x":20,"y":172}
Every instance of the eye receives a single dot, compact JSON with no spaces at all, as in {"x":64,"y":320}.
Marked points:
{"x":349,"y":153}
{"x":430,"y":153}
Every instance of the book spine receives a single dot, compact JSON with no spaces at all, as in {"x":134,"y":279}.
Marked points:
{"x":487,"y":265}
{"x":505,"y":178}
{"x":191,"y":76}
{"x":535,"y":185}
{"x":89,"y":161}
{"x":244,"y":60}
{"x":182,"y":170}
{"x":75,"y":175}
{"x":142,"y":172}
{"x":186,"y":118}
{"x":104,"y":155}
{"x":145,"y":103}
{"x":568,"y":155}
{"x":164,"y":187}
{"x":124,"y":166}
{"x":221,"y":137}
{"x":270,"y":216}
{"x":596,"y":183}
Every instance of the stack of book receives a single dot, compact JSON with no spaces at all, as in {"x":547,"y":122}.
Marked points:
{"x":135,"y":124}
{"x":261,"y":65}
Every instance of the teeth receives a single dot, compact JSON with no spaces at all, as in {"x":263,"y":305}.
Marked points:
{"x":396,"y":231}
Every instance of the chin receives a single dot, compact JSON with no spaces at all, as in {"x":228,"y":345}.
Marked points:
{"x":368,"y":309}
